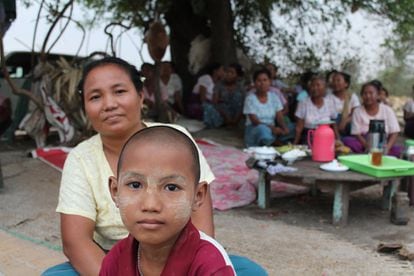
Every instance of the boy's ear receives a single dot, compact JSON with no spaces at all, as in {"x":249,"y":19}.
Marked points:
{"x":113,"y":189}
{"x":200,"y":195}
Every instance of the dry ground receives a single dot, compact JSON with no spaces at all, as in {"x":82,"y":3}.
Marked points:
{"x":293,"y":237}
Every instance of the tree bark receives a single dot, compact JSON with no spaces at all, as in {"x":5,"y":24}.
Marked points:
{"x":223,"y":46}
{"x":184,"y":26}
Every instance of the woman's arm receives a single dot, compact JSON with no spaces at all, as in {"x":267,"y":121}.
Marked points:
{"x":216,"y":97}
{"x":78,"y":245}
{"x":392,"y":138}
{"x":362,"y":140}
{"x":253,"y":118}
{"x":203,"y":94}
{"x":281,"y":123}
{"x":203,"y":217}
{"x":336,"y":131}
{"x":179,"y":101}
{"x":408,"y":115}
{"x":300,"y":124}
{"x":345,"y":122}
{"x":285,"y":109}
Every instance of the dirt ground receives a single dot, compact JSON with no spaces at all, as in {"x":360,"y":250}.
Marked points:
{"x":293,"y":237}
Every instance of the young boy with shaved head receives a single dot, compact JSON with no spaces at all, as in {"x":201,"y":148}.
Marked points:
{"x":156,"y":190}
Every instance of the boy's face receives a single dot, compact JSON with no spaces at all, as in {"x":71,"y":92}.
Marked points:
{"x":156,"y":191}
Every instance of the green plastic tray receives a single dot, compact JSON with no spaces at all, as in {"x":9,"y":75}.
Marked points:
{"x":390,"y":167}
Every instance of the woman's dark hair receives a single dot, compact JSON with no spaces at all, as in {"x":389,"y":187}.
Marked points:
{"x":128,"y":68}
{"x":347,"y":77}
{"x":210,"y":68}
{"x":305,"y":79}
{"x":172,"y":64}
{"x":377,"y":84}
{"x":261,"y":71}
{"x":329,"y":74}
{"x":238,"y":68}
{"x":149,"y":65}
{"x":275,"y":67}
{"x":374,"y":83}
{"x":317,"y":77}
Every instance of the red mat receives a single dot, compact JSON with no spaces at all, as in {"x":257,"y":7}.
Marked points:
{"x":54,"y":157}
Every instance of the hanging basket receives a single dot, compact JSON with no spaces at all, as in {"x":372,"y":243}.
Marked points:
{"x":157,"y":40}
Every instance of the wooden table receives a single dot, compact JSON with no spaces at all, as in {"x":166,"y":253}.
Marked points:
{"x":342,"y":183}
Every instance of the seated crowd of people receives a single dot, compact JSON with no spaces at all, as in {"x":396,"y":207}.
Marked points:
{"x":275,"y":114}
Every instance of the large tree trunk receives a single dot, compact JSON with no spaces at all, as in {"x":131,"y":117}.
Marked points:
{"x":223,"y":49}
{"x":184,"y":25}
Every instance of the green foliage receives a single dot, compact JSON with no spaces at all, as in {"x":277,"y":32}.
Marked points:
{"x":292,"y":32}
{"x":398,"y":76}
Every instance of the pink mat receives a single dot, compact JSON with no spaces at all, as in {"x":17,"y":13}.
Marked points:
{"x":234,"y":186}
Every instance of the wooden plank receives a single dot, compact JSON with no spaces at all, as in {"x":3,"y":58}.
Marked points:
{"x":340,"y":204}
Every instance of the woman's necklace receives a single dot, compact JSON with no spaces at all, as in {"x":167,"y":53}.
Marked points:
{"x":139,"y":261}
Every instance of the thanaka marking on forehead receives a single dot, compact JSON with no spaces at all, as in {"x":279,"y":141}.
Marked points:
{"x":158,"y":178}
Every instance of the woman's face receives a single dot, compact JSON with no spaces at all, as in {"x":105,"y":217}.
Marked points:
{"x":219,"y":73}
{"x":382,"y":96}
{"x":112,"y":103}
{"x":369,"y":95}
{"x":231,"y":75}
{"x":166,"y":69}
{"x":272,"y":70}
{"x":338,"y":83}
{"x":262,"y":83}
{"x":317,"y":88}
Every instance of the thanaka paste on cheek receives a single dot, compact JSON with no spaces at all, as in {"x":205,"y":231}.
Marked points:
{"x":181,"y":206}
{"x":124,"y":202}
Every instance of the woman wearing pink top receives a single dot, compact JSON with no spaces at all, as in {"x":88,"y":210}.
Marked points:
{"x":314,"y":110}
{"x":371,"y":109}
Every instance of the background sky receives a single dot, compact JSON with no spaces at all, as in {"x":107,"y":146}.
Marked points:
{"x":20,"y":36}
{"x":364,"y":38}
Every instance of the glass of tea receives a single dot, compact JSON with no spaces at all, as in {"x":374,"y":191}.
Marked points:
{"x":376,"y":156}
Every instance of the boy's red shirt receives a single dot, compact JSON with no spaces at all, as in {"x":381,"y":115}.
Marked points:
{"x":194,"y":253}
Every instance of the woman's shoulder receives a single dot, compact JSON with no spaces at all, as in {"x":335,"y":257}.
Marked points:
{"x":87,"y":146}
{"x":251,"y":95}
{"x":273,"y":97}
{"x":306,"y":103}
{"x":409,"y":102}
{"x":354,"y":95}
{"x":359,"y":109}
{"x":386,"y":108}
{"x":178,"y":127}
{"x":205,"y":78}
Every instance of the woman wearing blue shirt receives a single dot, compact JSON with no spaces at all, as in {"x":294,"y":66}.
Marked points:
{"x":261,"y":109}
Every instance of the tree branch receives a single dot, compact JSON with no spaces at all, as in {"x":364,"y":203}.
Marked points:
{"x":111,"y":37}
{"x":16,"y":90}
{"x":42,"y":52}
{"x":32,"y":58}
{"x":62,"y":30}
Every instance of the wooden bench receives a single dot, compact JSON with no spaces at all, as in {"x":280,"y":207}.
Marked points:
{"x":341,"y":183}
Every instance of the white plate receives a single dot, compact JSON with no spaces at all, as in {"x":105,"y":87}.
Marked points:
{"x":332,"y":167}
